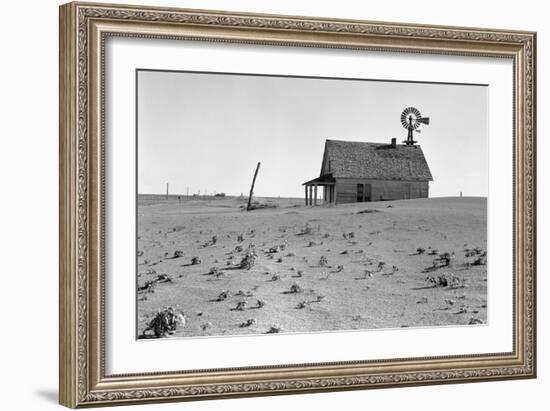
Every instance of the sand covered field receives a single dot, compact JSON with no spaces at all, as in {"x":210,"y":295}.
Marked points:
{"x":410,"y":263}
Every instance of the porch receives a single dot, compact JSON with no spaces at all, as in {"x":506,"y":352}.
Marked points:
{"x":311,"y":190}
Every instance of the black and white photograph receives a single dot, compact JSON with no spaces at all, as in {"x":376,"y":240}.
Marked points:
{"x":282,"y":204}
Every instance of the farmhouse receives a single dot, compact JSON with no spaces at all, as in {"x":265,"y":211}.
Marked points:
{"x":355,"y":171}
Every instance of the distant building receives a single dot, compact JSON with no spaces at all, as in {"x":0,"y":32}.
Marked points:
{"x":356,"y":171}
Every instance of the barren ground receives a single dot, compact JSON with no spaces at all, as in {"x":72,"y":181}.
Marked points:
{"x":375,"y":276}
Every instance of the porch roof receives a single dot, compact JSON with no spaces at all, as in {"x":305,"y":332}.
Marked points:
{"x":323,"y":180}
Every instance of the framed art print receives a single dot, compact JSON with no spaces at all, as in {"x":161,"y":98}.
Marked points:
{"x":260,"y":204}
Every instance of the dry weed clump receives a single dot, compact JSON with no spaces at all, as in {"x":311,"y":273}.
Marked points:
{"x":224,"y":295}
{"x":242,"y":293}
{"x":480,"y":261}
{"x":241,"y":305}
{"x":149,"y":286}
{"x":446,"y":280}
{"x":249,"y":260}
{"x":248,"y":323}
{"x":256,"y":205}
{"x":445,"y":259}
{"x":368,"y":211}
{"x":165,"y":322}
{"x":295,"y":289}
{"x":476,"y":251}
{"x":307,"y":230}
{"x":276,"y":248}
{"x":323,"y":262}
{"x":211,"y":242}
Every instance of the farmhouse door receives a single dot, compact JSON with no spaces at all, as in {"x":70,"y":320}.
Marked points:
{"x":368,"y":189}
{"x":360,"y":193}
{"x":363,"y":192}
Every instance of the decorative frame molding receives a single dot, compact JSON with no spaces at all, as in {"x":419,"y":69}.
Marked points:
{"x":83,"y":30}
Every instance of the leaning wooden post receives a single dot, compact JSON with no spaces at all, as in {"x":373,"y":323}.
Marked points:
{"x":252,"y":188}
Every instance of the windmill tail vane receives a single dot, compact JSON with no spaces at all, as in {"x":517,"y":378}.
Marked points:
{"x":411,"y":119}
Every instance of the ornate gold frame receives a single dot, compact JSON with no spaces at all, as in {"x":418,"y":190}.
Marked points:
{"x":83,"y":30}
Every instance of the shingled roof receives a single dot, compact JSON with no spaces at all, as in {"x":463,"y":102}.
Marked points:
{"x":354,"y":159}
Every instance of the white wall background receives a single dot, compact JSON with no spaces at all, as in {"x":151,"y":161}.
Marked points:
{"x":28,"y":206}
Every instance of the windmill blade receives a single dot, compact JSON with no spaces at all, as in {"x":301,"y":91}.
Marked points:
{"x":424,"y":120}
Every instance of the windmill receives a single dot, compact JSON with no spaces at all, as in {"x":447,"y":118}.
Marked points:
{"x":411,"y":119}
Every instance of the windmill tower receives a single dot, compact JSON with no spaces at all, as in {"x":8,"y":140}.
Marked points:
{"x":411,"y":119}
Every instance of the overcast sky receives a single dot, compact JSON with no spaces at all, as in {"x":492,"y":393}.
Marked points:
{"x":208,"y":131}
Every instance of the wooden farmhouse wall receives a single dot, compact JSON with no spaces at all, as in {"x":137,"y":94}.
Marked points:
{"x":346,"y":189}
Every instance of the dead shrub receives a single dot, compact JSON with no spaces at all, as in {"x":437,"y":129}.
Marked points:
{"x":295,"y":289}
{"x":165,"y":322}
{"x":446,"y":280}
{"x":479,"y":261}
{"x":445,"y":259}
{"x":249,"y":260}
{"x":368,"y":211}
{"x":307,"y":230}
{"x":248,"y":323}
{"x":241,"y":305}
{"x":224,"y":295}
{"x":149,"y":286}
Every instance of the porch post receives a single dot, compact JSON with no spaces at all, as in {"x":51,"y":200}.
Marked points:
{"x":315,"y":201}
{"x":306,"y":193}
{"x":310,"y":195}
